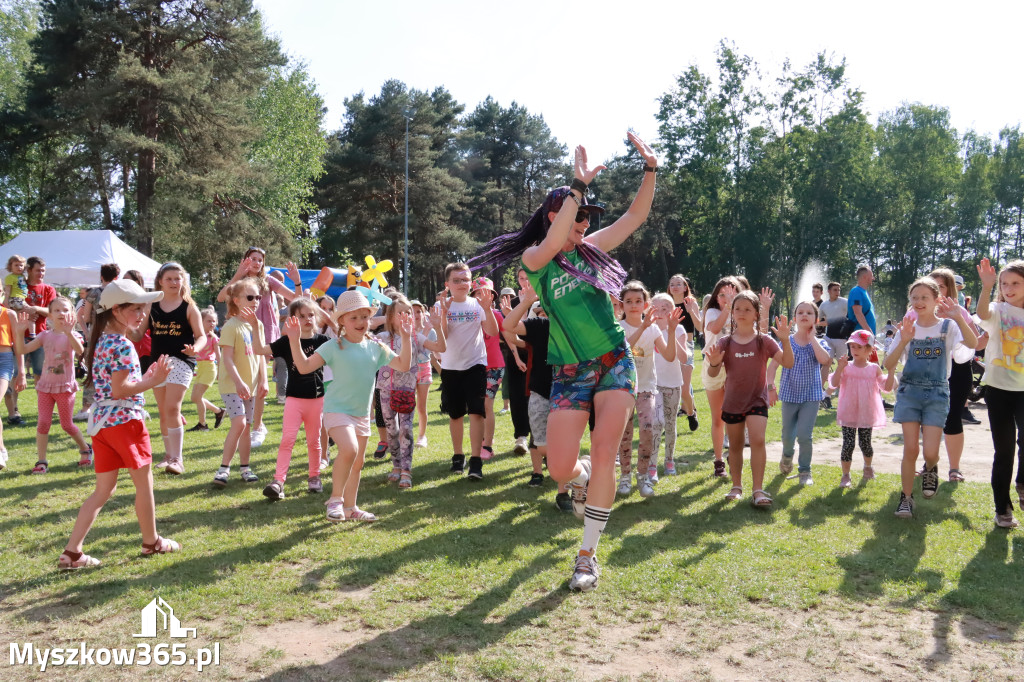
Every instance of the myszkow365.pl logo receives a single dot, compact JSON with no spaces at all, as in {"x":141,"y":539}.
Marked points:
{"x":157,"y":618}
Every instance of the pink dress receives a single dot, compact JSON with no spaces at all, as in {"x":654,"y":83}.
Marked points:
{"x":860,"y":398}
{"x":58,"y":363}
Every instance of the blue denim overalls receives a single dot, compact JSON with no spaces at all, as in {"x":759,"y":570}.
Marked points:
{"x":923,"y":395}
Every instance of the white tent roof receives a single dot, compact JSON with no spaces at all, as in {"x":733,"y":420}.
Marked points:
{"x":73,"y":257}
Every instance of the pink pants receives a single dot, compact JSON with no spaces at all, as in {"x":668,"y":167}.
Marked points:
{"x":65,"y":407}
{"x":306,"y":411}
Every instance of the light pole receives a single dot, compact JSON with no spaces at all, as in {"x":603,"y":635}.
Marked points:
{"x":405,"y":261}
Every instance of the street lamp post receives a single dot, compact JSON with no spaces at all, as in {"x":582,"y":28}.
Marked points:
{"x":405,"y":261}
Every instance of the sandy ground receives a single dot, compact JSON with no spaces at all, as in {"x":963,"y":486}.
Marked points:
{"x":975,"y":464}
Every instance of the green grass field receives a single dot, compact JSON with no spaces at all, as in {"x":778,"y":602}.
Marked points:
{"x":469,"y":580}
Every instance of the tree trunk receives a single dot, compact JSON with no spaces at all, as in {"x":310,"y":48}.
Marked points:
{"x":146,"y":174}
{"x":101,"y":188}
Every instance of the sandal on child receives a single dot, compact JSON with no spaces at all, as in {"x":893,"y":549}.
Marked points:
{"x":761,"y":499}
{"x":735,"y":493}
{"x":40,"y":468}
{"x":394,"y":475}
{"x":405,"y":480}
{"x":161,"y":546}
{"x":956,"y":476}
{"x":357,"y":514}
{"x":72,"y":561}
{"x":86,"y":457}
{"x":869,"y":473}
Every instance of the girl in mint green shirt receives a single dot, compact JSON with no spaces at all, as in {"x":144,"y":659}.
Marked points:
{"x":354,"y":358}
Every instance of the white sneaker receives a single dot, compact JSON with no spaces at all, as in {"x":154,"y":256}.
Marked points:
{"x":644,"y":486}
{"x":579,"y":492}
{"x":652,"y":473}
{"x":176,"y":466}
{"x":81,"y":416}
{"x":280,"y":400}
{"x":259,"y":435}
{"x":422,"y":442}
{"x":805,"y":478}
{"x":325,"y":465}
{"x":164,"y":462}
{"x":3,"y":459}
{"x":584,"y":573}
{"x":522,"y":446}
{"x":625,"y":485}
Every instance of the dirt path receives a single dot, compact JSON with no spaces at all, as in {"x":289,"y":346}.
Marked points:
{"x":976,"y":462}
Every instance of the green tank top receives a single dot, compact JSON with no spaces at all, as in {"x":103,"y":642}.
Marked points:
{"x":583,"y":324}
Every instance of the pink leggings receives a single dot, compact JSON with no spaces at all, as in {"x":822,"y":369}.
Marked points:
{"x":65,"y":406}
{"x":306,"y":411}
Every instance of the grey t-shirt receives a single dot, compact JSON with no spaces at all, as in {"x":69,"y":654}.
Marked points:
{"x":832,"y":310}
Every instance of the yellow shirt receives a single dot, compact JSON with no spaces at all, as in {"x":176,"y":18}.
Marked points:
{"x":237,"y":335}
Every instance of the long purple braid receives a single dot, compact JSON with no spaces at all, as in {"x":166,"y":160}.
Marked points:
{"x":507,"y":248}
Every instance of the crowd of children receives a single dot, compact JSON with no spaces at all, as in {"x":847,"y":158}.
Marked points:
{"x":590,"y":348}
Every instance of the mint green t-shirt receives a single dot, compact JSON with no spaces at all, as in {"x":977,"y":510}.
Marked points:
{"x":583,"y":324}
{"x":355,"y":370}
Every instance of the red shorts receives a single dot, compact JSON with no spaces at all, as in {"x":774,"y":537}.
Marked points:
{"x":125,"y":446}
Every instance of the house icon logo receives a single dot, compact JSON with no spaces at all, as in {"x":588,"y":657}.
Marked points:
{"x":158,"y":615}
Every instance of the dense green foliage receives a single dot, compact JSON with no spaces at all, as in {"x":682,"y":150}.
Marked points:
{"x":179,"y":125}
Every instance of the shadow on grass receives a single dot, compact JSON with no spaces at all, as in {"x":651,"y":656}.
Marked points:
{"x":470,"y":629}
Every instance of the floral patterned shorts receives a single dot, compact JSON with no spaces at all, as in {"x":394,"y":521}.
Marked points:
{"x":573,"y":387}
{"x":494,"y":377}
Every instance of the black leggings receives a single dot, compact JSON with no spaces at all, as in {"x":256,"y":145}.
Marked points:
{"x":864,"y":435}
{"x":1006,"y":419}
{"x":960,"y":379}
{"x":518,"y":400}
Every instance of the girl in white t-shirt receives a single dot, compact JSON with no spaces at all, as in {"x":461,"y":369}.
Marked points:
{"x":671,"y":386}
{"x":1004,"y":378}
{"x":645,"y":339}
{"x":926,"y":347}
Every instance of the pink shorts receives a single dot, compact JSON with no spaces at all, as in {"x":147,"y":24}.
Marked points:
{"x":361,"y":425}
{"x":424,"y":375}
{"x":125,"y":446}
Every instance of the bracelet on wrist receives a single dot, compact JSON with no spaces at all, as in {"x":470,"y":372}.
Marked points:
{"x":713,"y":365}
{"x":579,"y":186}
{"x":648,"y":168}
{"x":572,"y":196}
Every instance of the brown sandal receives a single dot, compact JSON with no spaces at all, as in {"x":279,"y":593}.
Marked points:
{"x":161,"y":546}
{"x":72,"y":561}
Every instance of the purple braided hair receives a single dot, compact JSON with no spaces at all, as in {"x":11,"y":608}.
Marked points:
{"x":507,"y":248}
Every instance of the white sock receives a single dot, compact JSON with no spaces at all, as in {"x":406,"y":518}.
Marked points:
{"x":175,"y":441}
{"x":581,"y":479}
{"x":594,"y":521}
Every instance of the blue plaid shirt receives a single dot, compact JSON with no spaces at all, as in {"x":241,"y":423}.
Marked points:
{"x":802,"y":383}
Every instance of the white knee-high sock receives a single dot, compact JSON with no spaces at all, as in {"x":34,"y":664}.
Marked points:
{"x":594,"y":521}
{"x":175,"y":441}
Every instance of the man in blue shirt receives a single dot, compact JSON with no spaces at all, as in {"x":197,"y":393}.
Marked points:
{"x":859,"y":308}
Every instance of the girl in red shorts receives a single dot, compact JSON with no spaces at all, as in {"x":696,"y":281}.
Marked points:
{"x":119,"y":437}
{"x":745,"y":354}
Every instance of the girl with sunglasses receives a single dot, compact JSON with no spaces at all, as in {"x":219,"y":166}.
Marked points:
{"x":177,"y":331}
{"x":243,"y":375}
{"x":253,"y":265}
{"x":593,"y":367}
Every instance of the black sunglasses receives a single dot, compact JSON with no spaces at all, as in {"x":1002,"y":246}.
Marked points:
{"x":250,"y":297}
{"x":582,"y":215}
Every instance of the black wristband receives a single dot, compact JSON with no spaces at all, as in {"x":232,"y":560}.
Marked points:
{"x":650,"y":169}
{"x":579,"y":186}
{"x":573,"y":197}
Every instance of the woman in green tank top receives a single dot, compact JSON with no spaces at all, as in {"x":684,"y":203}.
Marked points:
{"x":573,"y":276}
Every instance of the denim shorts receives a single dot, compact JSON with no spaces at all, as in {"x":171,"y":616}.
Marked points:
{"x":573,"y":387}
{"x":689,"y":354}
{"x":927,"y":405}
{"x":8,"y":368}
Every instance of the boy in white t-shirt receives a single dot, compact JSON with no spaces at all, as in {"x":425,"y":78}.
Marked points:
{"x":464,"y":364}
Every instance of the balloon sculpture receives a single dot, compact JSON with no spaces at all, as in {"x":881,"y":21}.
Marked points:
{"x":373,"y":279}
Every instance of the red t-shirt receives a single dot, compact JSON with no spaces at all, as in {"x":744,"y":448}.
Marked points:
{"x":493,"y":343}
{"x":746,"y":367}
{"x":40,"y":295}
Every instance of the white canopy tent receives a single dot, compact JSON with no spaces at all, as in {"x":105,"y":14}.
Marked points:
{"x":73,"y":257}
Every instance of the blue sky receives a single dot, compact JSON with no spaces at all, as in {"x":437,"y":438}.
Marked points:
{"x":595,"y":68}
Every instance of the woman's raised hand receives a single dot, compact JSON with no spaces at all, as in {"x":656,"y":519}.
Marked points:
{"x":644,"y":149}
{"x":580,"y":170}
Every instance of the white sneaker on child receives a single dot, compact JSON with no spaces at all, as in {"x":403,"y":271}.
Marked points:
{"x":259,"y":435}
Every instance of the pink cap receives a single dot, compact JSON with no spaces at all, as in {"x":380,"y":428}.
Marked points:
{"x":863,"y":337}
